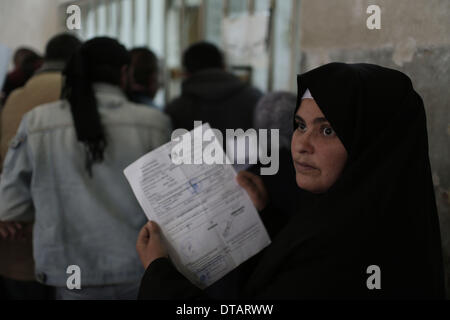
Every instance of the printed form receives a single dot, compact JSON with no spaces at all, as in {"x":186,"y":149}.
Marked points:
{"x":209,"y":223}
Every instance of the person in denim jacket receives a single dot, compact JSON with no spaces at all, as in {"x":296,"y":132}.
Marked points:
{"x":64,"y":171}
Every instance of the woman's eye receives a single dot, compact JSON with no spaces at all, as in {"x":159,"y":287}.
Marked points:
{"x":328,"y":131}
{"x":301,"y":126}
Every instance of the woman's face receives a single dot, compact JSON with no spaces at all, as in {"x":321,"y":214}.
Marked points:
{"x":319,"y":156}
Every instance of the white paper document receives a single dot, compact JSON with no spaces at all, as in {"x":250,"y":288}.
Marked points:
{"x":209,"y":223}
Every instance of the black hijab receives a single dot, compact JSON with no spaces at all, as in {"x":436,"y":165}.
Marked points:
{"x":98,"y":60}
{"x":382,"y":209}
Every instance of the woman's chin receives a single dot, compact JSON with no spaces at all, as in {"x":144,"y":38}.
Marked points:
{"x":309,"y":185}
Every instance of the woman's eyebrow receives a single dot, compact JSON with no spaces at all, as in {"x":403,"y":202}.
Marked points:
{"x":316,"y":121}
{"x":320,"y":120}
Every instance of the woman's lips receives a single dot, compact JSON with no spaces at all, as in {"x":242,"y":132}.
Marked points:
{"x":304,"y":167}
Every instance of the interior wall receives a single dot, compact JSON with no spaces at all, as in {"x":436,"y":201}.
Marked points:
{"x":29,"y":23}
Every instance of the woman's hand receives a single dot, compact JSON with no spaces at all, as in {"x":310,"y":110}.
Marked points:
{"x":11,"y":230}
{"x":255,"y":189}
{"x":149,"y":245}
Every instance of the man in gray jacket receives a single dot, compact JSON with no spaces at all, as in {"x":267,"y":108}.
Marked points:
{"x":211,"y":94}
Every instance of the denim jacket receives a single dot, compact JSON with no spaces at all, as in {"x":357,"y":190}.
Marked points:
{"x":92,"y":223}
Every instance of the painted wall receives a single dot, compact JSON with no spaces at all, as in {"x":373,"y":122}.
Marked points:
{"x":29,"y":23}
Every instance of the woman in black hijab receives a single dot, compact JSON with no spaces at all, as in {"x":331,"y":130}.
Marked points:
{"x":367,"y":224}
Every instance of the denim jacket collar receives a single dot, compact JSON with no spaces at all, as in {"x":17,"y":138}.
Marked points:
{"x":110,"y":95}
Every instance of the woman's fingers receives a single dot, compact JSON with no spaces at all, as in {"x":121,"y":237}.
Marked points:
{"x":254,"y":186}
{"x":3,"y":231}
{"x":149,"y":244}
{"x":143,"y":237}
{"x":154,"y":228}
{"x":11,"y":229}
{"x":247,"y":175}
{"x":247,"y":183}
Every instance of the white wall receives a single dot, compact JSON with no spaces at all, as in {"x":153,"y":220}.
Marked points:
{"x":29,"y":23}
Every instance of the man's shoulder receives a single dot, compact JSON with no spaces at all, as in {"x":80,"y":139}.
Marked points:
{"x":144,"y":115}
{"x":48,"y":114}
{"x":53,"y":106}
{"x":179,"y":102}
{"x":45,"y":77}
{"x":44,"y":83}
{"x":254,"y":91}
{"x":39,"y":89}
{"x":145,"y":111}
{"x":13,"y":99}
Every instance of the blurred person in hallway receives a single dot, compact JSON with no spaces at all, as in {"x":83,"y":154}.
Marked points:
{"x":26,"y":62}
{"x":212,"y":94}
{"x":275,"y":112}
{"x":143,"y":78}
{"x":17,"y":264}
{"x":45,"y":86}
{"x":64,"y":171}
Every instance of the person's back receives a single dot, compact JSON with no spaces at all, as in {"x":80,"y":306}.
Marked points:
{"x":211,"y":94}
{"x":40,"y":89}
{"x":72,"y":155}
{"x":26,"y":62}
{"x":44,"y":87}
{"x":98,"y":218}
{"x":17,"y":265}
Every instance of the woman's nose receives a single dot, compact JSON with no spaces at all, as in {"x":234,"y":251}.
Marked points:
{"x":303,"y":143}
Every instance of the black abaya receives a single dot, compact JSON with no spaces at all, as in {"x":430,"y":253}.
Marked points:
{"x":381,"y":211}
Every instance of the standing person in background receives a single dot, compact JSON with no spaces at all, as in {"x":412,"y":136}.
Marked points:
{"x":17,"y":264}
{"x":45,"y":86}
{"x":211,"y":94}
{"x":275,"y":112}
{"x":143,"y":78}
{"x":26,"y":62}
{"x":64,"y":170}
